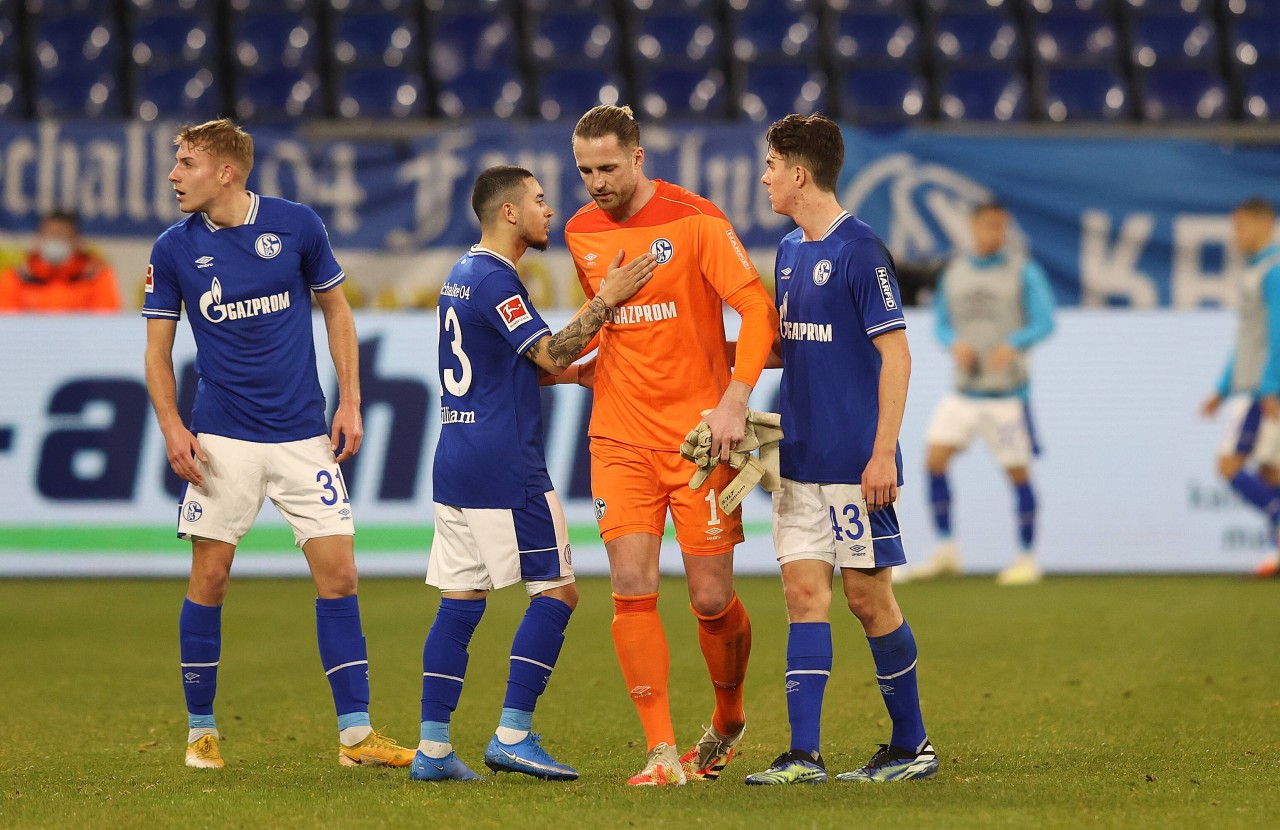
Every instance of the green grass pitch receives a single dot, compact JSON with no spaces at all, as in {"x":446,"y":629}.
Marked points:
{"x":1082,"y":702}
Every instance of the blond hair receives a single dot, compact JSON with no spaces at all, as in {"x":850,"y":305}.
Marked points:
{"x":606,"y":120}
{"x":222,"y":139}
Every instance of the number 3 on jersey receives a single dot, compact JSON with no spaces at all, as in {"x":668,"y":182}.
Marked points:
{"x":851,"y":517}
{"x":456,"y":382}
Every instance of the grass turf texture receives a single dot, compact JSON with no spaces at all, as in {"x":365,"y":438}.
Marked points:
{"x":1099,"y":702}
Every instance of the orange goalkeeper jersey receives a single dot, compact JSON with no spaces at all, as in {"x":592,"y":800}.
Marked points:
{"x":662,"y":354}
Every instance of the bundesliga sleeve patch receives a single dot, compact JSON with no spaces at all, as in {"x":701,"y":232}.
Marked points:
{"x":151,"y":279}
{"x":514,"y":313}
{"x":886,"y":289}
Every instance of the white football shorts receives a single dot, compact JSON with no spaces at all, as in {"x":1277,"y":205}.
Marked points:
{"x":1003,"y":423}
{"x":1248,"y":433}
{"x":483,"y":549}
{"x":301,"y":478}
{"x":830,"y":523}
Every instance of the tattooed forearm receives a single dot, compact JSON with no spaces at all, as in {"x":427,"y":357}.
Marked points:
{"x":564,"y":346}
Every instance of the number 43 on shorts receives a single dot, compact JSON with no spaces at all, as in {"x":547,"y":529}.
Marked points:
{"x":849,"y":528}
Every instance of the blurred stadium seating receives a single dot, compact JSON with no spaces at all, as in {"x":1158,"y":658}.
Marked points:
{"x":869,"y":61}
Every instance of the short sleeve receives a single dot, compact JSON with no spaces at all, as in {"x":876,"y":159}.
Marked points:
{"x":873,"y":283}
{"x":319,"y":266}
{"x":503,"y":303}
{"x":162,"y":297}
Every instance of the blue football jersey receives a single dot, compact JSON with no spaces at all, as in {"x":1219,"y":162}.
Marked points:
{"x":247,"y":291}
{"x":490,"y":451}
{"x":834,"y":295}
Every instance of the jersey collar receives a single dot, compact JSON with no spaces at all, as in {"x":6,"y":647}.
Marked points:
{"x":998,"y":258}
{"x":1266,"y":253}
{"x":249,"y":217}
{"x":844,"y":214}
{"x":476,"y":249}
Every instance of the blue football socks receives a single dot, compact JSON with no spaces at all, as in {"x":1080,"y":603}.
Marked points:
{"x":895,"y":659}
{"x":808,"y":668}
{"x":444,"y":664}
{"x":1026,"y":498}
{"x":345,"y":659}
{"x":200,"y":648}
{"x":940,"y":501}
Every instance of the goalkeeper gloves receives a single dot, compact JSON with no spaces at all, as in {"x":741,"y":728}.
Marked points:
{"x":763,"y":432}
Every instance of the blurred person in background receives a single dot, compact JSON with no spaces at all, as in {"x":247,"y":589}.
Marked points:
{"x":1249,"y":456}
{"x":59,"y":274}
{"x":993,"y":305}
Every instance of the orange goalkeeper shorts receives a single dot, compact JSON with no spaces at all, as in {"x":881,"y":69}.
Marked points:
{"x":633,"y":487}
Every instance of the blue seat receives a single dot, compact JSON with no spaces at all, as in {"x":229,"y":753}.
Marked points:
{"x":1003,"y":8}
{"x":568,"y":93}
{"x":269,"y":41}
{"x":1174,"y":40}
{"x":976,"y":39}
{"x":1183,"y":94}
{"x":1075,"y":40}
{"x":1262,"y":95}
{"x":986,"y":94}
{"x":598,"y":7}
{"x":899,"y":7}
{"x":770,"y":91}
{"x":487,"y":7}
{"x":278,"y":94}
{"x":9,"y":45}
{"x":882,"y":96}
{"x":877,"y":39}
{"x":174,"y":39}
{"x":73,"y":94}
{"x":1253,"y":8}
{"x":381,"y":92}
{"x":309,"y":8}
{"x":775,"y":30}
{"x":13,"y":98}
{"x":1101,"y":8}
{"x":82,"y":44}
{"x":372,"y":40}
{"x":575,"y":37}
{"x":1083,"y":94}
{"x":1142,"y":8}
{"x":497,"y":90}
{"x":703,"y":8}
{"x":137,"y":10}
{"x":192,"y":93}
{"x":467,"y":44}
{"x":393,"y":8}
{"x":1255,"y":41}
{"x":682,"y":92}
{"x":676,"y":39}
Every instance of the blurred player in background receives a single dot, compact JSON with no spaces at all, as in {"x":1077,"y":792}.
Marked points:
{"x":246,"y":267}
{"x":1252,"y":376}
{"x":497,"y":519}
{"x":662,"y":361}
{"x":59,"y":274}
{"x":845,"y":368}
{"x":992,"y":306}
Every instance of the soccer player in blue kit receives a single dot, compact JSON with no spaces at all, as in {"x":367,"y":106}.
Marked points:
{"x":845,"y":367}
{"x":246,"y":266}
{"x":497,"y":519}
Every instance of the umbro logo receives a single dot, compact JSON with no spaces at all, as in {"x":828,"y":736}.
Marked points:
{"x":590,"y":258}
{"x":785,"y":273}
{"x":204,"y":262}
{"x":191,"y":677}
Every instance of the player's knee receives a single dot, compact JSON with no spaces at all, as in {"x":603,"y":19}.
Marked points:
{"x":1229,"y":465}
{"x":871,"y":609}
{"x":208,"y":585}
{"x":806,"y":602}
{"x":936,"y":460}
{"x":568,"y":594}
{"x":710,"y":600}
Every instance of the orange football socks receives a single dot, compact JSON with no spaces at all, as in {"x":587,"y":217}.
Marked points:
{"x":726,"y":646}
{"x":646,"y":663}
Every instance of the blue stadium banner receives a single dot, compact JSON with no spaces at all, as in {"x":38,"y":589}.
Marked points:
{"x":1117,"y":221}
